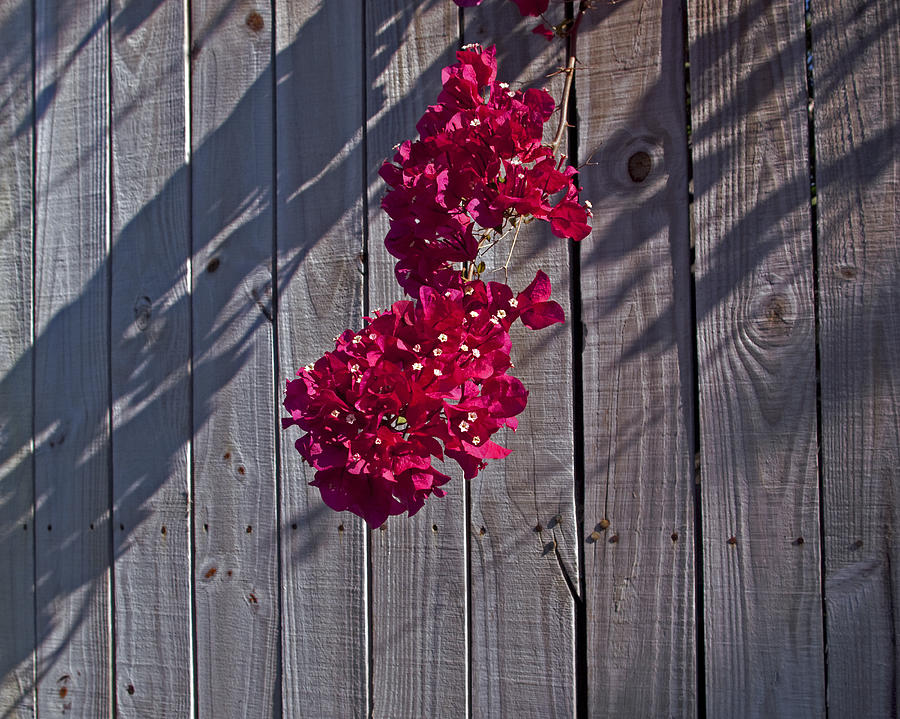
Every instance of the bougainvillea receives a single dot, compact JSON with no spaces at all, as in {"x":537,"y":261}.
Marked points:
{"x":422,"y":380}
{"x":428,"y":379}
{"x":478,"y":169}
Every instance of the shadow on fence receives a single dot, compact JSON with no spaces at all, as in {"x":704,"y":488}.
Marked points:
{"x":158,"y":385}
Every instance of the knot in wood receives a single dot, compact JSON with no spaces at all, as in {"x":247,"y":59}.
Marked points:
{"x":639,"y":166}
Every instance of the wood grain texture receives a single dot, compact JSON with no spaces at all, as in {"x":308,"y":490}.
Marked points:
{"x":17,"y":640}
{"x":235,"y":503}
{"x":320,"y":216}
{"x":418,"y":590}
{"x":522,"y":529}
{"x":150,"y":346}
{"x":756,"y":354}
{"x":637,"y":381}
{"x":71,"y":361}
{"x":856,"y":56}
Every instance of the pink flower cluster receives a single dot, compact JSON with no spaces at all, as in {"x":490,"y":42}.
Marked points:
{"x":478,"y":168}
{"x":429,"y":378}
{"x":423,"y":379}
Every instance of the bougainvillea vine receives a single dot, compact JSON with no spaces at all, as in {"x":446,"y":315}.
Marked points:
{"x":429,"y":378}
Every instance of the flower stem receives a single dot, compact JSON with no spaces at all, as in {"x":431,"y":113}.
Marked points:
{"x":564,"y":105}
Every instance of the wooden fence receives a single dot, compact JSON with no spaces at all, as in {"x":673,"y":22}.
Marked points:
{"x":698,"y":516}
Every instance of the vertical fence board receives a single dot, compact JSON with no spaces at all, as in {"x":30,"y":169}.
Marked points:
{"x":320,"y":284}
{"x":418,"y":565}
{"x":522,"y":529}
{"x":150,"y":346}
{"x":71,"y":361}
{"x":638,"y":387}
{"x":16,"y":386}
{"x":756,"y":354}
{"x":236,"y":535}
{"x":856,"y":57}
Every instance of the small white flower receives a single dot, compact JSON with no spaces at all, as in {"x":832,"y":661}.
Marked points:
{"x":464,"y":348}
{"x":357,"y":339}
{"x":464,"y":426}
{"x":417,"y":348}
{"x":377,"y":440}
{"x":504,"y":85}
{"x":335,"y":413}
{"x":350,"y":419}
{"x":442,"y":337}
{"x":476,"y":353}
{"x":474,"y":122}
{"x":437,"y":372}
{"x":469,"y":290}
{"x":417,"y":365}
{"x":495,"y":320}
{"x":501,"y":314}
{"x":476,"y":440}
{"x":472,"y":416}
{"x":437,"y":352}
{"x":308,"y":368}
{"x":354,"y":368}
{"x":372,"y":337}
{"x":514,"y":302}
{"x":473,"y":313}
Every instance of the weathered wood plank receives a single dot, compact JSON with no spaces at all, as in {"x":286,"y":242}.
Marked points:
{"x":17,"y":640}
{"x":856,"y":64}
{"x":522,"y":530}
{"x":637,"y":378}
{"x":320,"y":215}
{"x":418,"y":565}
{"x":71,"y":361}
{"x":236,"y":533}
{"x":756,"y":355}
{"x":150,"y":346}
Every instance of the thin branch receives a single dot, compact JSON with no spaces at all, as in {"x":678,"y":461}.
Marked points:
{"x":564,"y":105}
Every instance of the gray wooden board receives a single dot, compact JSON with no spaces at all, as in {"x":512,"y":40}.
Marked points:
{"x":71,"y":361}
{"x":236,"y":534}
{"x":756,"y":361}
{"x":638,"y":387}
{"x":16,"y":387}
{"x":321,"y":171}
{"x":150,"y":348}
{"x":522,"y":529}
{"x":856,"y":61}
{"x":418,"y":565}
